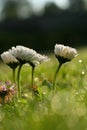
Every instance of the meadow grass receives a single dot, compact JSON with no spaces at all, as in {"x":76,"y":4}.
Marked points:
{"x":64,"y":108}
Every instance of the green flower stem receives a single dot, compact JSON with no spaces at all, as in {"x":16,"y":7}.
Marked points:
{"x":32,"y":77}
{"x":18,"y":81}
{"x":60,"y":64}
{"x":13,"y":75}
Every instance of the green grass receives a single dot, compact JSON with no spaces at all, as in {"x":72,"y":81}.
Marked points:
{"x":62,"y":109}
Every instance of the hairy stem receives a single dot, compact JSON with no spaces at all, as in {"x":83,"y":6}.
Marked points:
{"x":13,"y":75}
{"x":32,"y":77}
{"x":55,"y":76}
{"x":18,"y":81}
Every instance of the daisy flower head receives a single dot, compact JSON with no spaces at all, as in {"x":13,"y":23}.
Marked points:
{"x":9,"y":59}
{"x":38,"y":59}
{"x":64,"y":53}
{"x":17,"y":53}
{"x":23,"y":54}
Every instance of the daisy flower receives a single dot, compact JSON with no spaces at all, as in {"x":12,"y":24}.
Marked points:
{"x":11,"y":61}
{"x":63,"y":54}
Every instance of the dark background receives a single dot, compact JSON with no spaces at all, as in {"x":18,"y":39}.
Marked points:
{"x":42,"y":31}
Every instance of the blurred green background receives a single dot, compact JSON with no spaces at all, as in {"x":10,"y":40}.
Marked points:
{"x":40,"y":24}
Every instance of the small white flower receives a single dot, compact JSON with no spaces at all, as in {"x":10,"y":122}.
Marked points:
{"x":9,"y":59}
{"x":65,"y":53}
{"x":24,"y":55}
